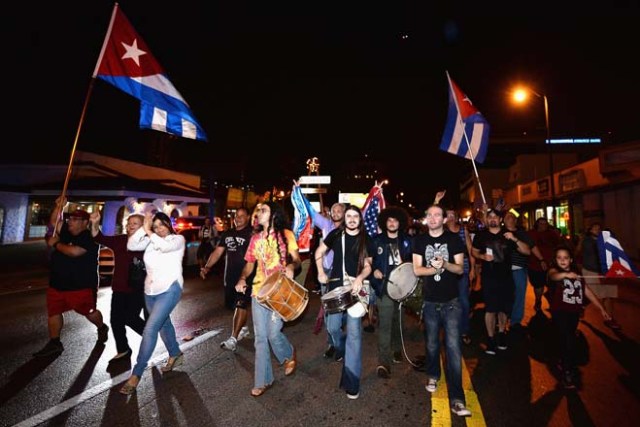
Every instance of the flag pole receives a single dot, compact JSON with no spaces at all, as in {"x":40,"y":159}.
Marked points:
{"x":84,"y":112}
{"x":466,"y":139}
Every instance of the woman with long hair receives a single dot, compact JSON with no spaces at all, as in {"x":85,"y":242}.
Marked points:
{"x":163,"y":253}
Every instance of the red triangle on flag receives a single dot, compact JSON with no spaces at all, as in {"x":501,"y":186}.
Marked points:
{"x":619,"y":271}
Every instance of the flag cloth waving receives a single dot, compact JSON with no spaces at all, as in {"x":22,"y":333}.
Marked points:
{"x":126,"y":62}
{"x":302,"y":219}
{"x":613,"y":259}
{"x":466,"y":127}
{"x":372,"y":207}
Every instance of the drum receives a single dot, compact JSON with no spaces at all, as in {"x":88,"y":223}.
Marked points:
{"x":284,"y":296}
{"x":338,"y":300}
{"x":402,"y":282}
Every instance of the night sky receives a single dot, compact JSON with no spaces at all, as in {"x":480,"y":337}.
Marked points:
{"x":335,"y":80}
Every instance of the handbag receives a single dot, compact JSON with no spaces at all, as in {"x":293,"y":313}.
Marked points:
{"x":137,"y":274}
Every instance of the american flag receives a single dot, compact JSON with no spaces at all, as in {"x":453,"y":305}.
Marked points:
{"x":372,"y":207}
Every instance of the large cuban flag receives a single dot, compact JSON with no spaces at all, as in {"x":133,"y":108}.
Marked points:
{"x":126,"y":62}
{"x":466,"y":127}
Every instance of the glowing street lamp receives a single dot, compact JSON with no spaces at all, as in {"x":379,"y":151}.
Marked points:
{"x":520,"y":95}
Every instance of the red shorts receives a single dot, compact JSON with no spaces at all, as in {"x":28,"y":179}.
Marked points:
{"x":82,"y":301}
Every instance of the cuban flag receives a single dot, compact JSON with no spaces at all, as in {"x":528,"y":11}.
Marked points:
{"x":126,"y":62}
{"x":466,"y":127}
{"x":613,"y":259}
{"x":302,"y":219}
{"x":371,"y":209}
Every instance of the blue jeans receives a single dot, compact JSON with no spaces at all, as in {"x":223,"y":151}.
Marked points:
{"x":463,"y":297}
{"x":444,"y":315}
{"x":349,"y":346}
{"x":159,"y":321}
{"x":267,"y":328}
{"x":520,"y":283}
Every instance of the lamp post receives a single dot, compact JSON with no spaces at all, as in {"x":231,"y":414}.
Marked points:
{"x":520,"y":96}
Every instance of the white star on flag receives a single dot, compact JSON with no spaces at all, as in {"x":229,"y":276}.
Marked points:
{"x":133,"y":52}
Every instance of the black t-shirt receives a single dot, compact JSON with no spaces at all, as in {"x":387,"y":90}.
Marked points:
{"x":517,"y":258}
{"x":75,"y":273}
{"x":334,"y":242}
{"x":449,"y":245}
{"x":236,"y":243}
{"x":502,"y":251}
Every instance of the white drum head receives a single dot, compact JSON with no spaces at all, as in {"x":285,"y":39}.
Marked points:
{"x":402,"y":282}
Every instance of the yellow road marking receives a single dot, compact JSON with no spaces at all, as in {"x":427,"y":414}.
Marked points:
{"x":441,"y":409}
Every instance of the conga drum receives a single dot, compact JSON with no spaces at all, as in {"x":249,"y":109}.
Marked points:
{"x":284,"y":296}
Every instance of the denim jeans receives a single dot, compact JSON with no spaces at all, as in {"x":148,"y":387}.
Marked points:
{"x":349,"y":346}
{"x":444,"y":315}
{"x":463,"y":291}
{"x":267,"y":329}
{"x":520,"y":283}
{"x":159,"y":321}
{"x":388,"y":330}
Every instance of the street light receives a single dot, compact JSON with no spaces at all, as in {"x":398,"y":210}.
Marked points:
{"x":520,"y":96}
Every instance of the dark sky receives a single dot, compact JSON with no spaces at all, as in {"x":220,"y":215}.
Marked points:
{"x":328,"y":79}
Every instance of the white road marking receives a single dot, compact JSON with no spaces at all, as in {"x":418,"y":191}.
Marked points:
{"x":101,"y":388}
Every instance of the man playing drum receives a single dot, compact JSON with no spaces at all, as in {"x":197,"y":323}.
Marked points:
{"x":438,"y":256}
{"x":351,"y":247}
{"x":392,"y":248}
{"x":270,"y":247}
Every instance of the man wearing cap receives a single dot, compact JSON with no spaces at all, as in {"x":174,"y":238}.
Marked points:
{"x":73,"y":280}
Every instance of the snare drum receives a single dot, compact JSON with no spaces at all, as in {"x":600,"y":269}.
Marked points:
{"x":284,"y":296}
{"x":338,"y":300}
{"x":402,"y":282}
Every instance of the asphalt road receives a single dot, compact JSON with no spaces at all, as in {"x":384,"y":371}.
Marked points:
{"x":516,"y":387}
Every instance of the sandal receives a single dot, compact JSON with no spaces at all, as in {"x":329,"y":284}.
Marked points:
{"x":172,"y":363}
{"x":259,"y":391}
{"x":128,"y":388}
{"x":290,"y":365}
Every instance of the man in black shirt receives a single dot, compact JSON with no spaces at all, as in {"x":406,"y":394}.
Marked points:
{"x":438,"y":256}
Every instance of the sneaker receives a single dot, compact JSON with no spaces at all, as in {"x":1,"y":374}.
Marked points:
{"x":329,"y":352}
{"x":460,"y":410}
{"x":432,"y":385}
{"x":491,"y":346}
{"x":567,"y":381}
{"x":502,"y":341}
{"x":383,"y":371}
{"x":230,"y":344}
{"x":612,"y":324}
{"x":53,"y":347}
{"x":353,"y":396}
{"x":103,"y":333}
{"x":397,"y":357}
{"x":244,"y":333}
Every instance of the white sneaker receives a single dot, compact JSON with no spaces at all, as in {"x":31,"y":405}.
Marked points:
{"x":432,"y":385}
{"x":244,"y":333}
{"x":460,"y":410}
{"x":229,"y":344}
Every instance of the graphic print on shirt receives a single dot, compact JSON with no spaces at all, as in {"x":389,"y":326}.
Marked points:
{"x":394,"y":254}
{"x":572,"y":292}
{"x":439,"y":250}
{"x":233,"y":243}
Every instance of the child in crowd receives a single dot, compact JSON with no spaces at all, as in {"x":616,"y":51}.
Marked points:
{"x":566,"y":305}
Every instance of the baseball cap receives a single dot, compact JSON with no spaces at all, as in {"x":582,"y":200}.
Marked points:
{"x":79,"y":213}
